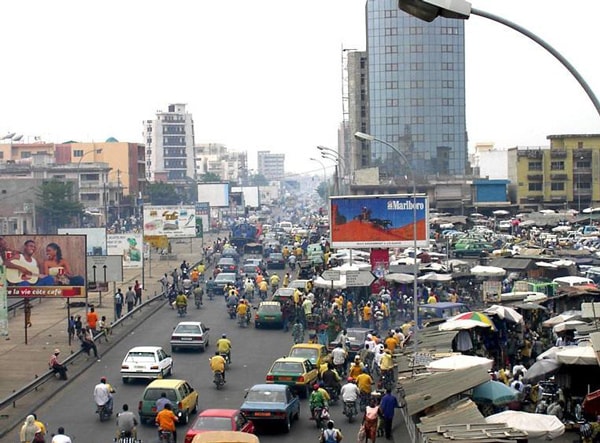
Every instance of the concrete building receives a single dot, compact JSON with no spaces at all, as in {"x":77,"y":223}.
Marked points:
{"x":271,"y":166}
{"x":169,"y":141}
{"x":487,"y":161}
{"x":215,"y":158}
{"x":416,"y":91}
{"x":565,"y":175}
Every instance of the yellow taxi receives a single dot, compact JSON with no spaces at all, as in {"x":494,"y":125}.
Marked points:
{"x":296,"y":372}
{"x":315,"y":352}
{"x":183,"y":397}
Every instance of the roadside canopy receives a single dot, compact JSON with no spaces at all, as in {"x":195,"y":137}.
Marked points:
{"x":536,"y":425}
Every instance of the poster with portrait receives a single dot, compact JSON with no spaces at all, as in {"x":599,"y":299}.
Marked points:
{"x":129,"y":246}
{"x":44,"y":265}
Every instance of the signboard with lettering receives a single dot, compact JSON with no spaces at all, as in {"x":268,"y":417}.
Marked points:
{"x":378,"y":221}
{"x":129,"y":246}
{"x":172,"y":221}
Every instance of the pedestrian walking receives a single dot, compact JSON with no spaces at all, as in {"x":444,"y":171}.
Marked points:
{"x":298,"y":332}
{"x":28,"y":430}
{"x":389,"y":403}
{"x":118,"y":303}
{"x":130,"y":299}
{"x":71,"y":328}
{"x":137,"y":288}
{"x":92,"y":319}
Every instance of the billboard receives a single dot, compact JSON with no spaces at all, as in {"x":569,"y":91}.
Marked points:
{"x":44,"y":265}
{"x":203,"y":216}
{"x":378,"y":221}
{"x":96,"y":238}
{"x":216,"y":194}
{"x":172,"y":221}
{"x":251,"y":195}
{"x":129,"y":246}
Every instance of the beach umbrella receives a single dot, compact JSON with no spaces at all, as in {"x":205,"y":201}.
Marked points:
{"x":577,"y":355}
{"x":590,"y":210}
{"x":541,"y":370}
{"x":476,"y":316}
{"x":569,"y":325}
{"x":505,"y":313}
{"x":399,"y":277}
{"x":432,"y":276}
{"x":500,"y":212}
{"x":459,"y":325}
{"x":545,"y":264}
{"x":537,"y":426}
{"x":562,"y":228}
{"x":494,"y":392}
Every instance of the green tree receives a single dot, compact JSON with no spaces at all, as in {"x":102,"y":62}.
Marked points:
{"x":210,"y":177}
{"x":162,"y":194}
{"x":57,"y":205}
{"x":258,"y":180}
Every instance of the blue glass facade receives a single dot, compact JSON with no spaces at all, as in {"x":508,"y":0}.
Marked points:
{"x":416,"y":91}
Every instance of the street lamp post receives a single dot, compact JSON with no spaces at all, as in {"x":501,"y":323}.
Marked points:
{"x":324,"y":176}
{"x":341,"y":161}
{"x":429,"y":10}
{"x":368,"y":137}
{"x":327,"y":156}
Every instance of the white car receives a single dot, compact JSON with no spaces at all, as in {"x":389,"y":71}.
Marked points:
{"x":148,"y":362}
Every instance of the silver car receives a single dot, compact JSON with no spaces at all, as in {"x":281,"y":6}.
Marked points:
{"x":189,"y":335}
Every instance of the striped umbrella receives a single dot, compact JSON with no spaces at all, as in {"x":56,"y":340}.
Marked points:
{"x":475,"y":315}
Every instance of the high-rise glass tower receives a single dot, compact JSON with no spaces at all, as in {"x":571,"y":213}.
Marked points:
{"x":416,"y":91}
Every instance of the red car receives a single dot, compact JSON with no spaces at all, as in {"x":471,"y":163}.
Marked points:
{"x":219,"y":420}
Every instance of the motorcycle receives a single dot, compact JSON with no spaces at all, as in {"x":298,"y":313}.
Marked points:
{"x":321,"y":416}
{"x":243,"y":320}
{"x":334,"y":394}
{"x":232,"y":310}
{"x":171,"y":295}
{"x":387,"y":380}
{"x":181,"y":310}
{"x":218,"y":380}
{"x":104,"y":412}
{"x":198,"y":300}
{"x":262,"y":295}
{"x":227,"y":357}
{"x":350,"y":410}
{"x":165,"y":436}
{"x":126,"y":437}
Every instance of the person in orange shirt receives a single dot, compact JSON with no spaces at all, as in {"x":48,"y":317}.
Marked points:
{"x":166,"y":420}
{"x":258,"y":279}
{"x":391,"y":342}
{"x":367,"y":314}
{"x":92,"y":319}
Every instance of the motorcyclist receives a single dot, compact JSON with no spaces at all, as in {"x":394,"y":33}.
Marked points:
{"x":331,"y":379}
{"x":242,"y":310}
{"x":224,"y":346}
{"x":181,"y":301}
{"x":249,"y":287}
{"x":386,"y":365}
{"x":274,"y":280}
{"x":166,"y":420}
{"x":198,"y":294}
{"x":103,"y":394}
{"x":217,"y":364}
{"x":316,"y":400}
{"x":263,"y":288}
{"x":126,"y":423}
{"x":338,"y":357}
{"x":350,"y":393}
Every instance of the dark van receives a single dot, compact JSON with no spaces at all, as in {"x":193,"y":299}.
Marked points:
{"x":432,"y":313}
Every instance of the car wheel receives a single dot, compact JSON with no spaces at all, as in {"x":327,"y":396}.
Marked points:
{"x":173,"y":349}
{"x":161,"y":374}
{"x":202,"y":348}
{"x":185,"y":418}
{"x":288,"y":424}
{"x":195,"y":407}
{"x":170,"y":373}
{"x":125,"y":380}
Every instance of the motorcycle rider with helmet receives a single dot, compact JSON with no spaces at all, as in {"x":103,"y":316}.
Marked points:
{"x":181,"y":301}
{"x":224,"y":347}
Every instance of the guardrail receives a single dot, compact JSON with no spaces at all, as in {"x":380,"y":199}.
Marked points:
{"x":50,"y":374}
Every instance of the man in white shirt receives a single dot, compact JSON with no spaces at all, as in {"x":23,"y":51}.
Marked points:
{"x":338,"y":357}
{"x":350,"y":393}
{"x":102,"y":395}
{"x":60,"y":437}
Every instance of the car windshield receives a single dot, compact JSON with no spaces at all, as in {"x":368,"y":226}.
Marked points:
{"x":266,"y":396}
{"x":276,"y":256}
{"x":212,"y":424}
{"x":310,"y":354}
{"x":225,"y":277}
{"x":141,"y":356}
{"x":249,"y":268}
{"x":188,"y":329}
{"x":153,"y":394}
{"x":283,"y":367}
{"x":356,"y":336}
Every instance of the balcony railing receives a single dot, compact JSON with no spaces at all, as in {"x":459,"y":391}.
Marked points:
{"x":558,"y":154}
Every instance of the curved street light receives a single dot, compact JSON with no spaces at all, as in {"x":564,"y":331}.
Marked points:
{"x":370,"y":138}
{"x":429,"y":10}
{"x":324,"y":176}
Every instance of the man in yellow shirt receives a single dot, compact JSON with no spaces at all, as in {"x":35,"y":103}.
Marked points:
{"x":217,"y":364}
{"x":263,"y":288}
{"x":364,"y":383}
{"x":224,"y":346}
{"x":431,"y":299}
{"x":367,"y":314}
{"x":386,"y":364}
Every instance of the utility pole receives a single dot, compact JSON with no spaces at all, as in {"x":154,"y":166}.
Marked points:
{"x":118,"y":197}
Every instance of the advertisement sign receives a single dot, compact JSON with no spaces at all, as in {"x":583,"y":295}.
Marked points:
{"x":172,"y":221}
{"x":96,"y":238}
{"x":202,"y":217}
{"x":129,"y":246}
{"x":45,"y":265}
{"x":157,"y":241}
{"x":104,"y":268}
{"x":378,"y":221}
{"x":216,"y":194}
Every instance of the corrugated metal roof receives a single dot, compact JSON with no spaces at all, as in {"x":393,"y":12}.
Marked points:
{"x":461,"y":411}
{"x":516,"y":264}
{"x":427,"y":390}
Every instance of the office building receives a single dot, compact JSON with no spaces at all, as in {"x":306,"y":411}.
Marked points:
{"x":271,"y":166}
{"x":169,"y":140}
{"x":416,"y":92}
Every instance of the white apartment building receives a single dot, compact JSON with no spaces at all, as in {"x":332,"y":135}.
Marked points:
{"x":169,"y":141}
{"x":215,"y":158}
{"x":271,"y":166}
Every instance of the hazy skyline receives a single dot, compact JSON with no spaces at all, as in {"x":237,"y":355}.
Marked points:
{"x":266,"y":75}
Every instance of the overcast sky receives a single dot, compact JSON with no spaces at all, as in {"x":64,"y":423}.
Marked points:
{"x":266,"y":74}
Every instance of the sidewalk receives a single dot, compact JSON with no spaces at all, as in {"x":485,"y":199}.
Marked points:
{"x":21,"y":363}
